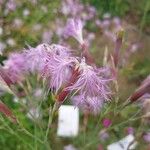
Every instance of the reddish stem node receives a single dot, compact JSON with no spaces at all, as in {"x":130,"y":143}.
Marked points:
{"x":64,"y":93}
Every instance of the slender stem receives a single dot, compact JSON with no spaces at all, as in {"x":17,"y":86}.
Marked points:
{"x":29,"y":87}
{"x":28,"y":133}
{"x":117,"y":94}
{"x":147,"y":6}
{"x":85,"y":53}
{"x":11,"y":131}
{"x":35,"y":140}
{"x":111,"y":128}
{"x":51,"y":116}
{"x":50,"y":119}
{"x":125,"y":104}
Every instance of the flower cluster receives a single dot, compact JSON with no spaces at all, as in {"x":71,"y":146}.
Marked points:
{"x":64,"y":72}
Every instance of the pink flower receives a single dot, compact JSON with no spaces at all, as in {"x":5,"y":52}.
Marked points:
{"x":87,"y":103}
{"x":38,"y":92}
{"x":130,"y":130}
{"x":93,"y":89}
{"x":69,"y":147}
{"x":53,"y":61}
{"x":110,"y":35}
{"x":116,"y":21}
{"x":103,"y":135}
{"x":105,"y":23}
{"x":90,"y":82}
{"x":74,"y":28}
{"x":58,"y":67}
{"x":47,"y":36}
{"x":71,"y":7}
{"x":98,"y":22}
{"x":15,"y":66}
{"x":36,"y":58}
{"x":146,"y":137}
{"x":1,"y":2}
{"x":11,"y":5}
{"x":107,"y":122}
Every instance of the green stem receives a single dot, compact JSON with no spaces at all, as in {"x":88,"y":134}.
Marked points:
{"x":28,"y":133}
{"x":111,"y":128}
{"x":35,"y":134}
{"x":147,"y":7}
{"x":11,"y":131}
{"x":117,"y":97}
{"x":51,"y":116}
{"x":50,"y":119}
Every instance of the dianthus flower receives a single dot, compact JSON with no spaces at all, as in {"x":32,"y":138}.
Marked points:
{"x":15,"y":66}
{"x":92,"y":89}
{"x":36,"y":58}
{"x":58,"y":67}
{"x":74,"y":28}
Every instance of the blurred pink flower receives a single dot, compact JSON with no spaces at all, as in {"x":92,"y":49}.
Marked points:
{"x":146,"y":137}
{"x":17,"y":23}
{"x":105,"y":23}
{"x":47,"y":36}
{"x":74,"y":28}
{"x":1,"y":2}
{"x":34,"y":2}
{"x":107,"y":123}
{"x":130,"y":130}
{"x":86,"y":103}
{"x":71,"y":7}
{"x":103,"y":135}
{"x":38,"y":92}
{"x":98,"y":22}
{"x":11,"y":5}
{"x":116,"y":21}
{"x":69,"y":147}
{"x":15,"y":66}
{"x":89,"y":38}
{"x":36,"y":58}
{"x":110,"y":35}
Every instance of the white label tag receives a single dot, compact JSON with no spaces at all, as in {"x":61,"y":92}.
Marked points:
{"x":123,"y":144}
{"x":68,"y":121}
